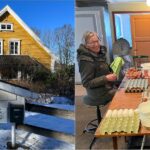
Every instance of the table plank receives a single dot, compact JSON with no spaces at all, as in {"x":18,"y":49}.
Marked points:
{"x":123,"y":100}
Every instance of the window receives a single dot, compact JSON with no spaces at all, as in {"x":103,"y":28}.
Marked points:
{"x":118,"y":25}
{"x":6,"y":27}
{"x":1,"y":47}
{"x":14,"y":47}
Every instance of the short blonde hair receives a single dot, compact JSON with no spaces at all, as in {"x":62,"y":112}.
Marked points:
{"x":87,"y":35}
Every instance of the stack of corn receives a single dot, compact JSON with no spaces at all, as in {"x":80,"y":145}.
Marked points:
{"x":116,"y":65}
{"x":122,"y":120}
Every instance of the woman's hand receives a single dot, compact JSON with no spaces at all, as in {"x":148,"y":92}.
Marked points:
{"x":111,"y":77}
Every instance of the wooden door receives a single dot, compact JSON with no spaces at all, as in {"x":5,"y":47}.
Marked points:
{"x":140,"y":28}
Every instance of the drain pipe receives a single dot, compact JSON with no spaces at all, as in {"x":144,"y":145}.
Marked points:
{"x":143,"y":142}
{"x":13,"y":135}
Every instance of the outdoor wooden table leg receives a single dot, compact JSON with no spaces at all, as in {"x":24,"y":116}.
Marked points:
{"x":115,"y":144}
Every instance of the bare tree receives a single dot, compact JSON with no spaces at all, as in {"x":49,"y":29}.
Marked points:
{"x":37,"y":31}
{"x":48,"y":39}
{"x":61,"y":41}
{"x":64,"y":39}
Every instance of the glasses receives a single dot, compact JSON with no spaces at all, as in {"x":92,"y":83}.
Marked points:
{"x":93,"y":42}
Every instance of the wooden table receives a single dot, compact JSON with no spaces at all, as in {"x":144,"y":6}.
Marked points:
{"x":123,"y":100}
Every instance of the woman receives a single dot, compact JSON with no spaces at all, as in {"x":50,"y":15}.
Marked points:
{"x":95,"y":72}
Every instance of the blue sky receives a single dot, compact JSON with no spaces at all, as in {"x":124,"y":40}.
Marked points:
{"x":43,"y":14}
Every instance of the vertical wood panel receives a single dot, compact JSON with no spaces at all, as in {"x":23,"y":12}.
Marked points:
{"x":140,"y":28}
{"x":28,"y":45}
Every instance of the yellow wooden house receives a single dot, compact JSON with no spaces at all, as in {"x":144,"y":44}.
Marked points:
{"x":20,"y":45}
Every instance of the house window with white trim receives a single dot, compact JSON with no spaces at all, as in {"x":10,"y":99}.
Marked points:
{"x":6,"y":27}
{"x":1,"y":47}
{"x":14,"y":47}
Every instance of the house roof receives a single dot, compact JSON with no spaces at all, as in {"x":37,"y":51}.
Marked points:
{"x":25,"y":26}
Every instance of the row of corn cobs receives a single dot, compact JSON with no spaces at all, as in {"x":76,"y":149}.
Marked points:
{"x":136,"y":85}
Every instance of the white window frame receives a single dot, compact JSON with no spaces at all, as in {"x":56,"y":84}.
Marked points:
{"x":1,"y":47}
{"x":14,"y":40}
{"x":6,"y":26}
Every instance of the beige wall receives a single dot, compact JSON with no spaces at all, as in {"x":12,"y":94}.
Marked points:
{"x":130,"y":6}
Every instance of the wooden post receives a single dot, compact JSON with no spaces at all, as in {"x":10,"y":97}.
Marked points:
{"x":115,"y":144}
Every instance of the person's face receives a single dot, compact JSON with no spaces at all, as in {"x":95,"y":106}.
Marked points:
{"x":93,"y":44}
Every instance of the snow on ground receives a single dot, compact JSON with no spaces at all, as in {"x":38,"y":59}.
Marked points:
{"x":34,"y":141}
{"x":31,"y":140}
{"x":47,"y":99}
{"x":61,"y":100}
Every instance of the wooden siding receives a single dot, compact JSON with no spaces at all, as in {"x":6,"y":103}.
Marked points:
{"x":28,"y":46}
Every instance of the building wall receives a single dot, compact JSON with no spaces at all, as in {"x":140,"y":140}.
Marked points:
{"x":28,"y":46}
{"x":127,"y":7}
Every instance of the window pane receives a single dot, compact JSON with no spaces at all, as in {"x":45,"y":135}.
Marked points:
{"x":11,"y":51}
{"x":9,"y":26}
{"x":11,"y":47}
{"x":16,"y":44}
{"x":16,"y":47}
{"x":3,"y":26}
